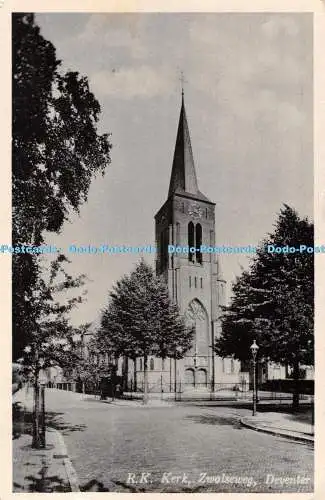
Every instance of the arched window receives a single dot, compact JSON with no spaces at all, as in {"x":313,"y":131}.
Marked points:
{"x":152,"y":364}
{"x":198,"y":242}
{"x":191,"y":242}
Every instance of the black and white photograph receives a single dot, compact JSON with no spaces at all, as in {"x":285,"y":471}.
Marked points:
{"x":162,"y":252}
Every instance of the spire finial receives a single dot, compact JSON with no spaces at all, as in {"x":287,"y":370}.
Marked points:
{"x":182,"y":80}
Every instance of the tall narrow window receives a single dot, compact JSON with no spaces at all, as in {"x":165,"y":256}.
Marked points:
{"x":164,"y":247}
{"x":232,"y":366}
{"x":152,"y":364}
{"x":190,"y":240}
{"x":206,"y":213}
{"x":140,"y":363}
{"x":190,"y":281}
{"x":177,"y":233}
{"x":195,"y":281}
{"x":198,"y":242}
{"x":162,"y":364}
{"x":201,"y":282}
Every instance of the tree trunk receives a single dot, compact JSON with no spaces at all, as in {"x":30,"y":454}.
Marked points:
{"x":43,"y":426}
{"x":295,"y":396}
{"x":145,"y":379}
{"x":36,"y":443}
{"x":135,"y":375}
{"x":125,"y":374}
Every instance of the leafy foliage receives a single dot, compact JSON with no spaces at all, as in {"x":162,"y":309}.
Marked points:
{"x":273,"y":302}
{"x":51,"y":339}
{"x":142,"y":321}
{"x":56,"y":151}
{"x":56,"y":146}
{"x":91,"y":368}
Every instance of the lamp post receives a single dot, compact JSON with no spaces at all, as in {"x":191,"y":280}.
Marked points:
{"x":254,"y":348}
{"x":175,"y":377}
{"x":176,"y":371}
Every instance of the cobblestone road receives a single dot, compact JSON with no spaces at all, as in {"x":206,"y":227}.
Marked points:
{"x":177,"y":449}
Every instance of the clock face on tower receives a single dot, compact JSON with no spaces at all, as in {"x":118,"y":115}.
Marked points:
{"x":195,"y":211}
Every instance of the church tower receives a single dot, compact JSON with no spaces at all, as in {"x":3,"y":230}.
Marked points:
{"x":187,"y":219}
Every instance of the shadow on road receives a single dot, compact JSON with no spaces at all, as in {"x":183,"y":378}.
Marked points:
{"x":93,"y":485}
{"x":57,"y":421}
{"x":215,"y":420}
{"x":23,"y":423}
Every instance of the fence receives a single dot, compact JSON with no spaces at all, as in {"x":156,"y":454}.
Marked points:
{"x":280,"y":391}
{"x":222,"y":391}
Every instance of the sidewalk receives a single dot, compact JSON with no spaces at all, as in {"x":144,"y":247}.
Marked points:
{"x":45,"y":470}
{"x":280,"y":424}
{"x":138,"y":403}
{"x":42,"y":471}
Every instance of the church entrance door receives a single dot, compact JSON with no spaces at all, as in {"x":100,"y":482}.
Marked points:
{"x":201,"y":378}
{"x":189,"y":378}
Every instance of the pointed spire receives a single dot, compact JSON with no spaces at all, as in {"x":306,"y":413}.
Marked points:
{"x":183,"y":177}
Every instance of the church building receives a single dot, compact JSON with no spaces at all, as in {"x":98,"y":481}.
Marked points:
{"x":194,"y":280}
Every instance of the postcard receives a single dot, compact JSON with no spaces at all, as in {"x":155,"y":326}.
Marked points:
{"x":162,"y":246}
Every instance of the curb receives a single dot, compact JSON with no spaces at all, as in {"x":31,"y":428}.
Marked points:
{"x":268,"y":430}
{"x":70,"y":470}
{"x":137,"y":405}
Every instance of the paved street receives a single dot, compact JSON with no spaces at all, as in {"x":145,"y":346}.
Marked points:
{"x":180,"y":448}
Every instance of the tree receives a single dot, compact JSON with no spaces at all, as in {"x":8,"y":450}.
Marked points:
{"x":273,"y":302}
{"x":142,"y":321}
{"x":92,"y":367}
{"x":50,"y":342}
{"x":56,"y":151}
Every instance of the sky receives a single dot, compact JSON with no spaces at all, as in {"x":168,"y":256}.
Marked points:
{"x":248,"y":97}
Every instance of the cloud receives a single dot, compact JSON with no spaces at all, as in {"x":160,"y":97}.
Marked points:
{"x":256,"y":81}
{"x":116,"y":31}
{"x":130,"y":82}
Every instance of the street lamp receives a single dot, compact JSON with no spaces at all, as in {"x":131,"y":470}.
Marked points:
{"x":254,"y":348}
